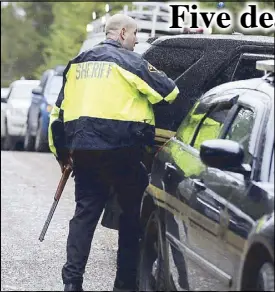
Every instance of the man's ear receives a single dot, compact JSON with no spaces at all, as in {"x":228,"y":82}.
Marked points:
{"x":122,"y":33}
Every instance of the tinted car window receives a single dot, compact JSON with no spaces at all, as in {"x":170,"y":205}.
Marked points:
{"x":173,"y":61}
{"x":53,"y":88}
{"x":210,"y":126}
{"x":224,"y":75}
{"x":241,"y":129}
{"x":246,"y":69}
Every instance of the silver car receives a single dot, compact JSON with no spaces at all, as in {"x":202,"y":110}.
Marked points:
{"x":18,"y":102}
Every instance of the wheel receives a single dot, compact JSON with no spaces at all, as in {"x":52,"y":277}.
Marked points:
{"x":152,"y":264}
{"x":28,"y":141}
{"x":8,"y":143}
{"x":41,"y":144}
{"x":265,"y":280}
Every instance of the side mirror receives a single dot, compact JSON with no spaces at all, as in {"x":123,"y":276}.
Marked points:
{"x":4,"y":99}
{"x":37,"y":90}
{"x":225,"y":155}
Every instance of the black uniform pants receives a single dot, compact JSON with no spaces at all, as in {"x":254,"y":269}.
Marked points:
{"x":95,"y":172}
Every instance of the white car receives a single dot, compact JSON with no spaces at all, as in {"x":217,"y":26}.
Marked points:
{"x":4,"y":95}
{"x":17,"y":106}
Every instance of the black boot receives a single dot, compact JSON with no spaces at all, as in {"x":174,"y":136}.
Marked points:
{"x":73,"y":287}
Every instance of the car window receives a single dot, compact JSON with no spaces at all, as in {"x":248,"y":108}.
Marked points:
{"x":210,"y":126}
{"x":223,"y":76}
{"x":246,"y":69}
{"x":22,"y":91}
{"x":240,"y":131}
{"x":171,"y":60}
{"x":187,"y":128}
{"x":53,"y":88}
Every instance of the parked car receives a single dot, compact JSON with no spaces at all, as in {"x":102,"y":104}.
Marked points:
{"x":208,"y":213}
{"x":200,"y":62}
{"x":18,"y":102}
{"x":43,"y":98}
{"x":197,"y":63}
{"x":4,"y":95}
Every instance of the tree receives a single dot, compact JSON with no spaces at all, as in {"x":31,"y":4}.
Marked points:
{"x":19,"y":43}
{"x":68,"y":31}
{"x":41,"y":15}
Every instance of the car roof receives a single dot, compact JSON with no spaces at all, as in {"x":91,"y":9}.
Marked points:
{"x":251,"y":84}
{"x":218,"y":38}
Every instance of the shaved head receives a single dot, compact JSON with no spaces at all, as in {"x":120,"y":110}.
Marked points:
{"x":118,"y":21}
{"x":122,"y":28}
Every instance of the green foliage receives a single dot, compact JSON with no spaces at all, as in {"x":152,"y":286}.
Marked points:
{"x":68,"y":31}
{"x":19,"y":42}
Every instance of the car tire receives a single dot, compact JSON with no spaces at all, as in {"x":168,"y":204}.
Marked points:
{"x":41,"y":144}
{"x":28,"y":141}
{"x":266,"y":278}
{"x":8,"y":143}
{"x":152,"y":266}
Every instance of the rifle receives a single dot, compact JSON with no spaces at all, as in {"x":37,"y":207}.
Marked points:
{"x":65,"y":175}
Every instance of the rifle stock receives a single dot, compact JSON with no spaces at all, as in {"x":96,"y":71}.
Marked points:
{"x":65,"y":175}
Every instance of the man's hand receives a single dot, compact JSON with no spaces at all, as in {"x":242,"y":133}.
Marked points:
{"x":64,"y":163}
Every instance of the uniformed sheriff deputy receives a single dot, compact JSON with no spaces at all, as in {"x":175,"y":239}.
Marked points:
{"x":103,"y":117}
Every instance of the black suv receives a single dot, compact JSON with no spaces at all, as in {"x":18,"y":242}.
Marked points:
{"x":208,"y":213}
{"x":200,"y":62}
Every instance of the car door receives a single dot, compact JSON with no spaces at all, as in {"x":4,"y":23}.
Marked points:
{"x":242,"y":205}
{"x":192,"y":221}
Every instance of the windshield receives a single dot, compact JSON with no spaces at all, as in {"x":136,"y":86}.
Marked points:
{"x":53,"y":88}
{"x":22,"y":91}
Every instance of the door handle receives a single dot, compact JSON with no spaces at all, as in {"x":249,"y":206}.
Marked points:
{"x":169,"y":170}
{"x":169,"y":165}
{"x":198,"y":184}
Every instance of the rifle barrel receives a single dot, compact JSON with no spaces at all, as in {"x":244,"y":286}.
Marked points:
{"x":60,"y":188}
{"x":48,"y":221}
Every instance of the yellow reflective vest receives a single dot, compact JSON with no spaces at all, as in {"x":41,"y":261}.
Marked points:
{"x":106,"y":100}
